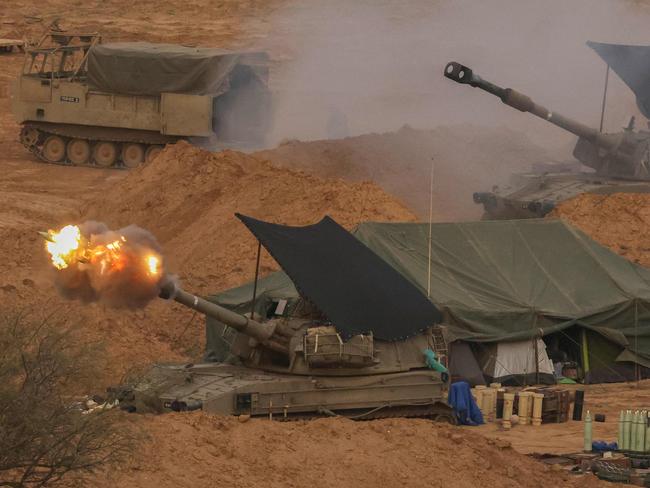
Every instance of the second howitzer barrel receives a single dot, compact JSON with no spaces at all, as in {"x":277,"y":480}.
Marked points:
{"x":271,"y":335}
{"x":462,"y":74}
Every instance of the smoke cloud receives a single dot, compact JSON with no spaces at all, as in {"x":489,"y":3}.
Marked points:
{"x":373,"y":66}
{"x":121,"y":269}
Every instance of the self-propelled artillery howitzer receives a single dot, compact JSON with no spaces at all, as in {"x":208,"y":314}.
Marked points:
{"x":619,"y":159}
{"x":297,"y":366}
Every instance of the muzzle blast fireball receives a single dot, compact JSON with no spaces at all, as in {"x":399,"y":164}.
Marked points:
{"x":92,"y":263}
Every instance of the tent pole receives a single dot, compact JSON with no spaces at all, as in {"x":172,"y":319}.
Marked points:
{"x":534,"y":339}
{"x":602,"y":110}
{"x":536,"y":362}
{"x":430,"y":231}
{"x":257,"y":274}
{"x":585,"y":351}
{"x":637,"y":371}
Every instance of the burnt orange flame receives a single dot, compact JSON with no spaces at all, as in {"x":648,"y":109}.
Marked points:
{"x":68,"y":247}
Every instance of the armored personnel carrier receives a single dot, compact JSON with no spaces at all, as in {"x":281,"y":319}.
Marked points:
{"x":621,"y":161}
{"x":81,"y":102}
{"x":313,"y":360}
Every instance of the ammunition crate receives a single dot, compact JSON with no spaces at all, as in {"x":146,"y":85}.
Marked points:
{"x":555,"y":406}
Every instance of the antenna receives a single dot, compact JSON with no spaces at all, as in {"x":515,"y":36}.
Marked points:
{"x":602,"y":110}
{"x":430,"y":230}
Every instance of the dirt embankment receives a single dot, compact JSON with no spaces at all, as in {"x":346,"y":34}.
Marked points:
{"x":202,"y":450}
{"x":188,"y":197}
{"x":465,"y":159}
{"x":620,"y":221}
{"x":195,"y":21}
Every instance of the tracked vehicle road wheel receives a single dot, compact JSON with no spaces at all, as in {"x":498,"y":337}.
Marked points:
{"x":152,"y":152}
{"x":78,"y":151}
{"x":444,"y":418}
{"x":54,"y":149}
{"x":132,"y":155}
{"x":29,"y":136}
{"x":105,"y":154}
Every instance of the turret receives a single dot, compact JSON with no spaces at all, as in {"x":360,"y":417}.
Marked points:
{"x":621,"y":155}
{"x":307,"y":347}
{"x":272,"y":335}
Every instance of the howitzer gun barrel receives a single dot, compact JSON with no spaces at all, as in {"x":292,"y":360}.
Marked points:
{"x":271,"y":335}
{"x":462,"y":74}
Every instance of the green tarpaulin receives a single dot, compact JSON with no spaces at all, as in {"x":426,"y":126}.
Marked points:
{"x":505,"y":280}
{"x":143,"y":68}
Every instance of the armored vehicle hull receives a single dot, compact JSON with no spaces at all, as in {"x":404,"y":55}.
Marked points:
{"x":81,"y":102}
{"x":533,"y":195}
{"x":300,"y":360}
{"x":291,"y":362}
{"x":237,"y":390}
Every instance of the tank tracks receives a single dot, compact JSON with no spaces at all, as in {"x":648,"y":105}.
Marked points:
{"x":94,"y":147}
{"x":438,"y":412}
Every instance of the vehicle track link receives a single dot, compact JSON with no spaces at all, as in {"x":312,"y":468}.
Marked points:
{"x":89,"y":147}
{"x":434,"y":412}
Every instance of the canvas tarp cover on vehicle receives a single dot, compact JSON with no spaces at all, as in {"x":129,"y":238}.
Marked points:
{"x":511,"y":280}
{"x":632,"y":65}
{"x":142,"y":68}
{"x":353,"y":287}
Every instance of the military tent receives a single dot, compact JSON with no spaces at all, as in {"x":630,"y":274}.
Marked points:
{"x":516,"y":363}
{"x":463,"y":365}
{"x":508,"y":281}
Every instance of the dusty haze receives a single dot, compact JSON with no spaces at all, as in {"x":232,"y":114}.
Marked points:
{"x":380,"y":64}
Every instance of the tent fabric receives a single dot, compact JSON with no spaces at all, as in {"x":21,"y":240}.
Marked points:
{"x":610,"y":363}
{"x":514,"y":362}
{"x":463,"y":365}
{"x":352,"y":286}
{"x":512,"y":280}
{"x":142,"y":68}
{"x":632,"y":65}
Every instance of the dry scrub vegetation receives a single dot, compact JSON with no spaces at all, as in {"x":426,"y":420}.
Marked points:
{"x":45,"y":436}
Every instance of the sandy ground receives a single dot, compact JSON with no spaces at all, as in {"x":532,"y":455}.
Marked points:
{"x":194,"y":449}
{"x":608,"y":399}
{"x":620,"y":222}
{"x":211,"y":251}
{"x":201,"y":450}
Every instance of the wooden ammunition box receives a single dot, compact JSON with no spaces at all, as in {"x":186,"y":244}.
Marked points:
{"x":555,"y":407}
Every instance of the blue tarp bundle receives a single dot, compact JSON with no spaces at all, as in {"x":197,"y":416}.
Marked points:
{"x":603,"y":446}
{"x":461,"y":400}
